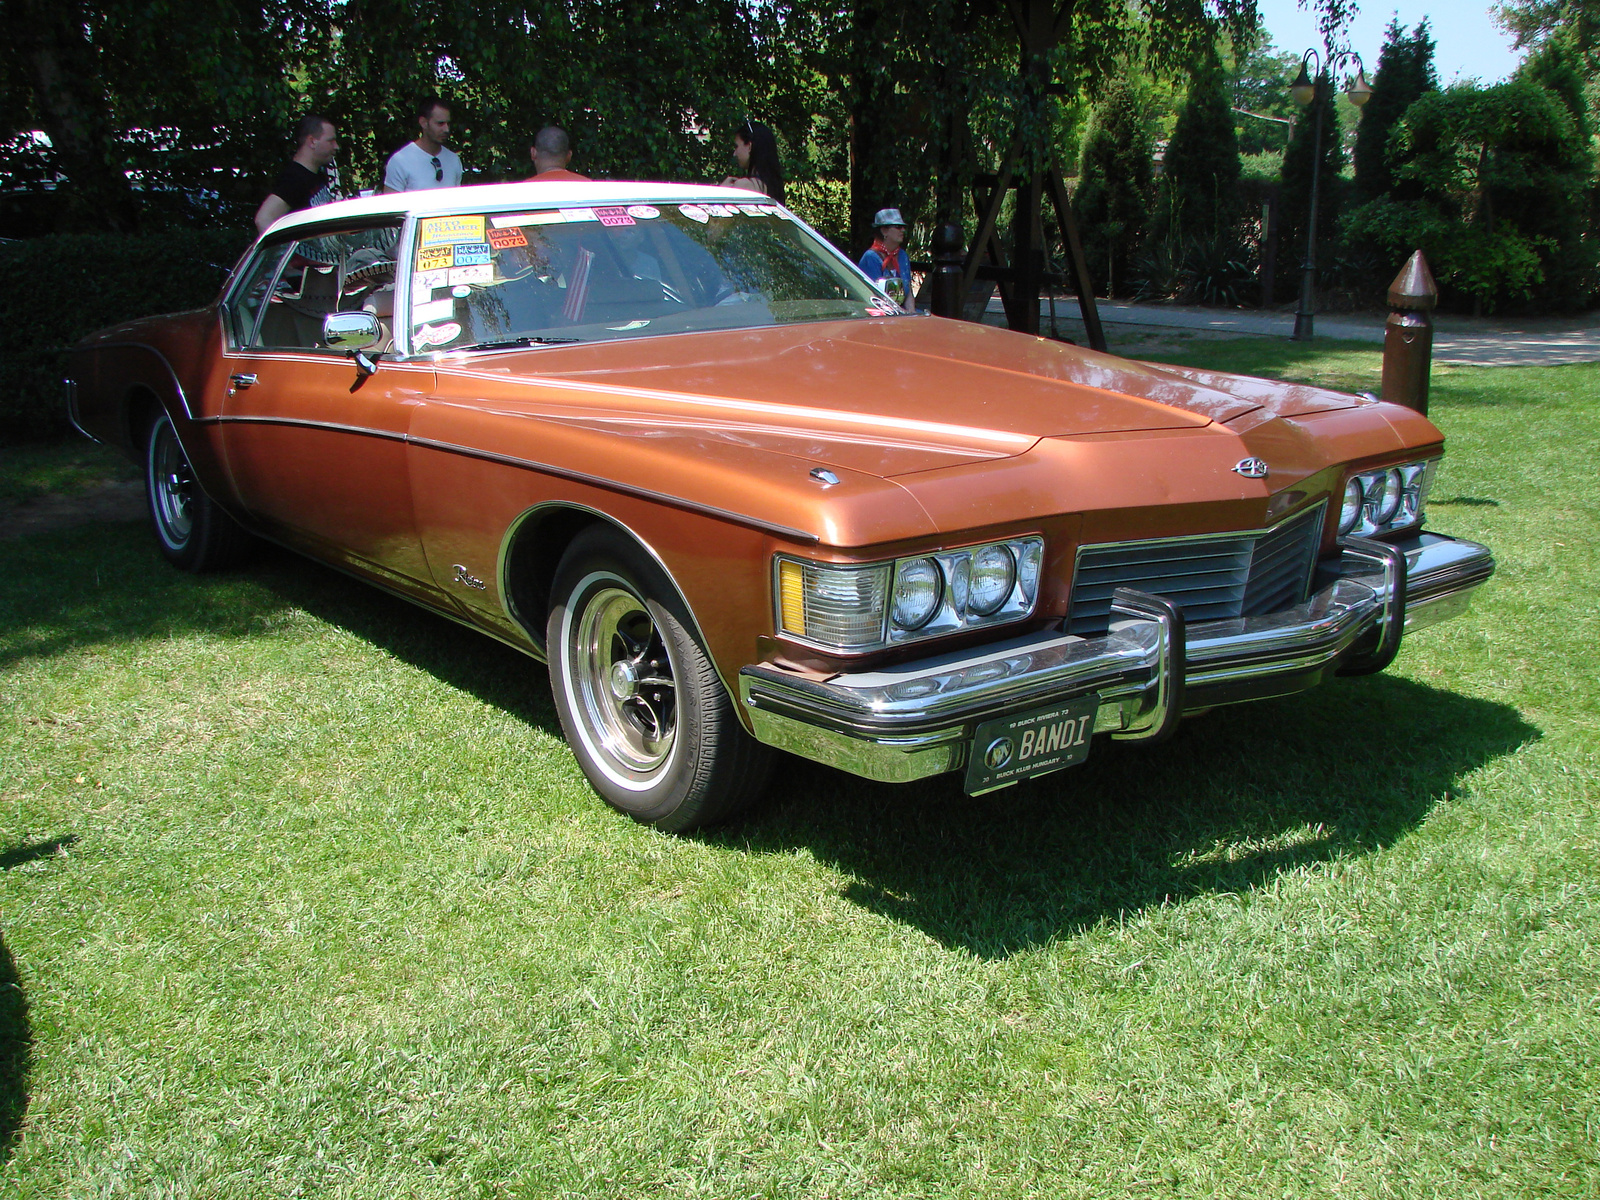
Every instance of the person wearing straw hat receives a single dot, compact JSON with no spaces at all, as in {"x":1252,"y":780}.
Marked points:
{"x":886,"y":260}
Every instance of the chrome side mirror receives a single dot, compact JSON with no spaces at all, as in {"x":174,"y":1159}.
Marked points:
{"x":350,"y":331}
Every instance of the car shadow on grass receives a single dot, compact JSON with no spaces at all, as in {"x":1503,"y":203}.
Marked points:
{"x":1238,"y":797}
{"x":16,"y":1053}
{"x":16,"y":1029}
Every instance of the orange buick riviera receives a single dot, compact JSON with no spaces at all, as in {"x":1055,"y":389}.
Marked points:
{"x":668,"y":440}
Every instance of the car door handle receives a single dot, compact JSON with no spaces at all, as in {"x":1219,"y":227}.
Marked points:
{"x":242,"y":381}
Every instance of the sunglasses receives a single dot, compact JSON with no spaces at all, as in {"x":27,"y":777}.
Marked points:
{"x":438,"y":170}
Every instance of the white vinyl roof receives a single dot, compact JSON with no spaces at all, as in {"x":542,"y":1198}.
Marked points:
{"x":507,"y":197}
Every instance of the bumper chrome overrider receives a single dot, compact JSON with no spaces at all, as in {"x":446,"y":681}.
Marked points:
{"x":909,"y":721}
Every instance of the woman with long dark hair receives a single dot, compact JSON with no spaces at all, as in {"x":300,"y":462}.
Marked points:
{"x":755,"y":149}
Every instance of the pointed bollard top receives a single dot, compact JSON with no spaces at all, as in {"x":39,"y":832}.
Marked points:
{"x":1413,"y":289}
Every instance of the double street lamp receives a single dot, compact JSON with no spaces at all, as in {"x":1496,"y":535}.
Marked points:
{"x":1304,"y":90}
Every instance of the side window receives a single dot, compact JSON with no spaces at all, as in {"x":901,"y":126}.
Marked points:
{"x":330,"y":271}
{"x":244,"y":307}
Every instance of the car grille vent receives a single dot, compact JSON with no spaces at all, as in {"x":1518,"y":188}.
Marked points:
{"x":1209,"y":578}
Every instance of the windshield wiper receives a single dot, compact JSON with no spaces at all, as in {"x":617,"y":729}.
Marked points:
{"x":516,"y":342}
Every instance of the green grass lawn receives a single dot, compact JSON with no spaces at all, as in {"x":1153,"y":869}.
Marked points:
{"x":302,"y":894}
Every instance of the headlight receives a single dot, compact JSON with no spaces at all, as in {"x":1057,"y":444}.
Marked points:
{"x":1350,"y":511}
{"x":860,"y":607}
{"x":994,"y":573}
{"x":1385,"y":497}
{"x":1385,"y":500}
{"x":918,"y":588}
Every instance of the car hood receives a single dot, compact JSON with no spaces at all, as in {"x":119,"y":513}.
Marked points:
{"x":884,"y":397}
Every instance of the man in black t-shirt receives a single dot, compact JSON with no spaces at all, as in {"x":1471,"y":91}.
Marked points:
{"x":305,"y":182}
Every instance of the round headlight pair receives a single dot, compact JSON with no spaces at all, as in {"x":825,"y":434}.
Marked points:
{"x":1377,"y":496}
{"x":978,"y":586}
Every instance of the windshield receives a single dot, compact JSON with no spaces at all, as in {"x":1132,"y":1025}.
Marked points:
{"x":594,"y":274}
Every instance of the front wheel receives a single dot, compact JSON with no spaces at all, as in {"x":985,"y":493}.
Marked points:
{"x":193,"y":532}
{"x":641,"y":705}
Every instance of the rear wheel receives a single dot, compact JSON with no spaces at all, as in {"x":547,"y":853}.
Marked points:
{"x":193,"y":532}
{"x":641,"y":705}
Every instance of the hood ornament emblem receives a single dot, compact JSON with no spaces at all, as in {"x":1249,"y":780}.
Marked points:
{"x":1252,"y":468}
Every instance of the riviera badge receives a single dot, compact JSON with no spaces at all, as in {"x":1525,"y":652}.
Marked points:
{"x":1252,"y":468}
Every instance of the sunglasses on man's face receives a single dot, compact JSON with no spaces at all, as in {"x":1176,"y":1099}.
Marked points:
{"x":438,"y":170}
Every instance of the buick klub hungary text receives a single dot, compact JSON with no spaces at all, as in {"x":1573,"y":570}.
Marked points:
{"x":668,"y":440}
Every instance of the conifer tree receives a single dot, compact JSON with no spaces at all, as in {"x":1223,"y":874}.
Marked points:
{"x":1405,"y":73}
{"x":1200,"y":173}
{"x":1295,"y":196}
{"x":1115,"y":190}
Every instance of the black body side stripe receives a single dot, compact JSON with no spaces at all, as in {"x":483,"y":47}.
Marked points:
{"x":610,"y":485}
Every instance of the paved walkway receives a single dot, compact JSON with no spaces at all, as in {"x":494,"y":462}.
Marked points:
{"x":1467,"y":341}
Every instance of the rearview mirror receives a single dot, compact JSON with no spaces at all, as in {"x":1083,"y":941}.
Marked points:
{"x":350,"y":330}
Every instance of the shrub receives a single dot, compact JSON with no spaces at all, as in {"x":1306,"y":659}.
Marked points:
{"x":56,"y":289}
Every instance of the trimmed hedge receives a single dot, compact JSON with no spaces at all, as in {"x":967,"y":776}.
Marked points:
{"x":56,"y":289}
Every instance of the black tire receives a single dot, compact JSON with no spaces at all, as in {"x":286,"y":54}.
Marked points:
{"x":641,"y":705}
{"x":193,"y":533}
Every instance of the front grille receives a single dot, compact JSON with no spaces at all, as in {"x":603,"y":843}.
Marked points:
{"x":1209,"y":578}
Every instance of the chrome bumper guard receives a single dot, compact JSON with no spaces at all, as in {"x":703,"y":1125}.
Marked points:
{"x":916,"y":719}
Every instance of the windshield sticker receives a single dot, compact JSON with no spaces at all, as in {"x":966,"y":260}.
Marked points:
{"x":461,"y":289}
{"x":882,"y":306}
{"x":772,"y":210}
{"x":754,"y":210}
{"x":628,"y":326}
{"x":645,"y":212}
{"x":512,"y":220}
{"x":470,"y":254}
{"x":427,"y":280}
{"x":481,"y":273}
{"x":505,"y":239}
{"x":578,"y":214}
{"x":447,"y":231}
{"x":722,"y":210}
{"x":694,"y":212}
{"x":433,"y":310}
{"x":614,"y":216}
{"x":436,"y":335}
{"x":433,"y":258}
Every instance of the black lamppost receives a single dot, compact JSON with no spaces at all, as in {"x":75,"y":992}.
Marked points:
{"x":1304,"y":92}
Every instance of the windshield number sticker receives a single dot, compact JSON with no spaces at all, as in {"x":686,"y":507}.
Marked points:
{"x":470,"y":255}
{"x":434,"y":258}
{"x":506,"y":239}
{"x":613,"y":216}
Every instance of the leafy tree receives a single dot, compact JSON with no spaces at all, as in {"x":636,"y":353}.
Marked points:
{"x":1404,"y":74}
{"x":1299,"y":162}
{"x":1200,"y":174}
{"x":1532,"y":22}
{"x":1261,"y":78}
{"x":1504,"y":176}
{"x":1115,"y":187}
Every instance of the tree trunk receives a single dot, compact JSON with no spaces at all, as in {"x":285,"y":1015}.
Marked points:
{"x":71,"y":106}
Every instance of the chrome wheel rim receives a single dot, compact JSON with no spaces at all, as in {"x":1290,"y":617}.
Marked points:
{"x":623,"y":675}
{"x":171,"y":488}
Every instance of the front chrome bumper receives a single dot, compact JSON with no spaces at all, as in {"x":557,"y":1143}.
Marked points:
{"x":916,"y":719}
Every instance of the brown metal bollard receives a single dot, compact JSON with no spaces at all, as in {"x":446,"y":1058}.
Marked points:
{"x":1408,"y":336}
{"x":944,"y":295}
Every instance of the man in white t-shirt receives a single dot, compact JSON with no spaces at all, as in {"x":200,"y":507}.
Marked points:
{"x":426,"y":162}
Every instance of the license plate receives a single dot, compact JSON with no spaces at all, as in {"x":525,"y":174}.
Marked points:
{"x":1030,"y":743}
